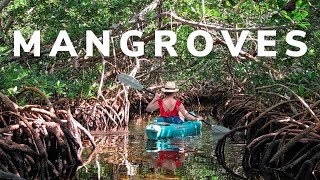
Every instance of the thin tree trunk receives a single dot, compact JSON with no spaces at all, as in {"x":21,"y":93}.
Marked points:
{"x":4,"y":4}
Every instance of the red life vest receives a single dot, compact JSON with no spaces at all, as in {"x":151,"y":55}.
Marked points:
{"x":174,"y":112}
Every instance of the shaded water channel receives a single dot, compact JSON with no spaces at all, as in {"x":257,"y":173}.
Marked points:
{"x":129,"y":155}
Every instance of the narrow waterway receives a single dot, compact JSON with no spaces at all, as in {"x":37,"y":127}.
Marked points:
{"x":129,"y":155}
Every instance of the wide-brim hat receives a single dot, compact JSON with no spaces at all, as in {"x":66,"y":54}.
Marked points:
{"x":170,"y":86}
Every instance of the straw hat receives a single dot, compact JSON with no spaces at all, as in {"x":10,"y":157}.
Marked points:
{"x":170,"y":86}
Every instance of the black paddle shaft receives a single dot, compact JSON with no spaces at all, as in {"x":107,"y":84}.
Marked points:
{"x":149,"y":91}
{"x":201,"y":120}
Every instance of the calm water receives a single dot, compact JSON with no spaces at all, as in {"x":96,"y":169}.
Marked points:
{"x":129,"y":155}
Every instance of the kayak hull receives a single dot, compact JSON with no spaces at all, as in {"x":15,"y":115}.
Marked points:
{"x":161,"y":130}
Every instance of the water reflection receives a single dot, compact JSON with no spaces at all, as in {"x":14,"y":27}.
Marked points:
{"x":129,"y":155}
{"x":168,"y":156}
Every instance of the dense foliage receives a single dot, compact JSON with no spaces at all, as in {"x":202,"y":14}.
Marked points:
{"x":64,"y":76}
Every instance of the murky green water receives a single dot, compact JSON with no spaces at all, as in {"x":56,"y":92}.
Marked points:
{"x":129,"y":155}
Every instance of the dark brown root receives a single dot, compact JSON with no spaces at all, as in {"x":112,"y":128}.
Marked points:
{"x":281,"y":134}
{"x":35,"y":142}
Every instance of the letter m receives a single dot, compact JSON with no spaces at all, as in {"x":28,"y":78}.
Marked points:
{"x":19,"y":41}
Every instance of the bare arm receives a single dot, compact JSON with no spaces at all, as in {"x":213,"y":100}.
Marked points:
{"x":182,"y":157}
{"x":186,"y":114}
{"x":153,"y":105}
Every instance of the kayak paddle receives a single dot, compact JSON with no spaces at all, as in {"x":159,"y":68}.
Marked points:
{"x":132,"y":82}
{"x":215,"y":128}
{"x":135,"y":84}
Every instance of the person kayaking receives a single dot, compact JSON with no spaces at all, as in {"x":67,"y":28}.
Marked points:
{"x":169,"y":106}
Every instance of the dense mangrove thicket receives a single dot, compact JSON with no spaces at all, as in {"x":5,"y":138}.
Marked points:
{"x":281,"y":132}
{"x":49,"y":104}
{"x":45,"y":140}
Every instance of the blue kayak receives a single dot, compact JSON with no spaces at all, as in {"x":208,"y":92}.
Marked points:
{"x":162,"y":130}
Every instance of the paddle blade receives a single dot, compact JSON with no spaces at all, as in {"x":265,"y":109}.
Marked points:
{"x":219,"y":129}
{"x":129,"y":81}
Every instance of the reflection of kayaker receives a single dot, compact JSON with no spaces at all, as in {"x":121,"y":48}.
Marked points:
{"x":170,"y":160}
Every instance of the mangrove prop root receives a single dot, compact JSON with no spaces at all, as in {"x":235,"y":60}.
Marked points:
{"x":36,"y":142}
{"x":7,"y":175}
{"x":281,"y":134}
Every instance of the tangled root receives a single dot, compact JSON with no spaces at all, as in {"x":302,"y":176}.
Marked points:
{"x":281,"y":133}
{"x":38,"y":142}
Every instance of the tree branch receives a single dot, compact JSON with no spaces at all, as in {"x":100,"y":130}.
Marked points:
{"x":4,"y":4}
{"x":141,"y":15}
{"x":217,"y":27}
